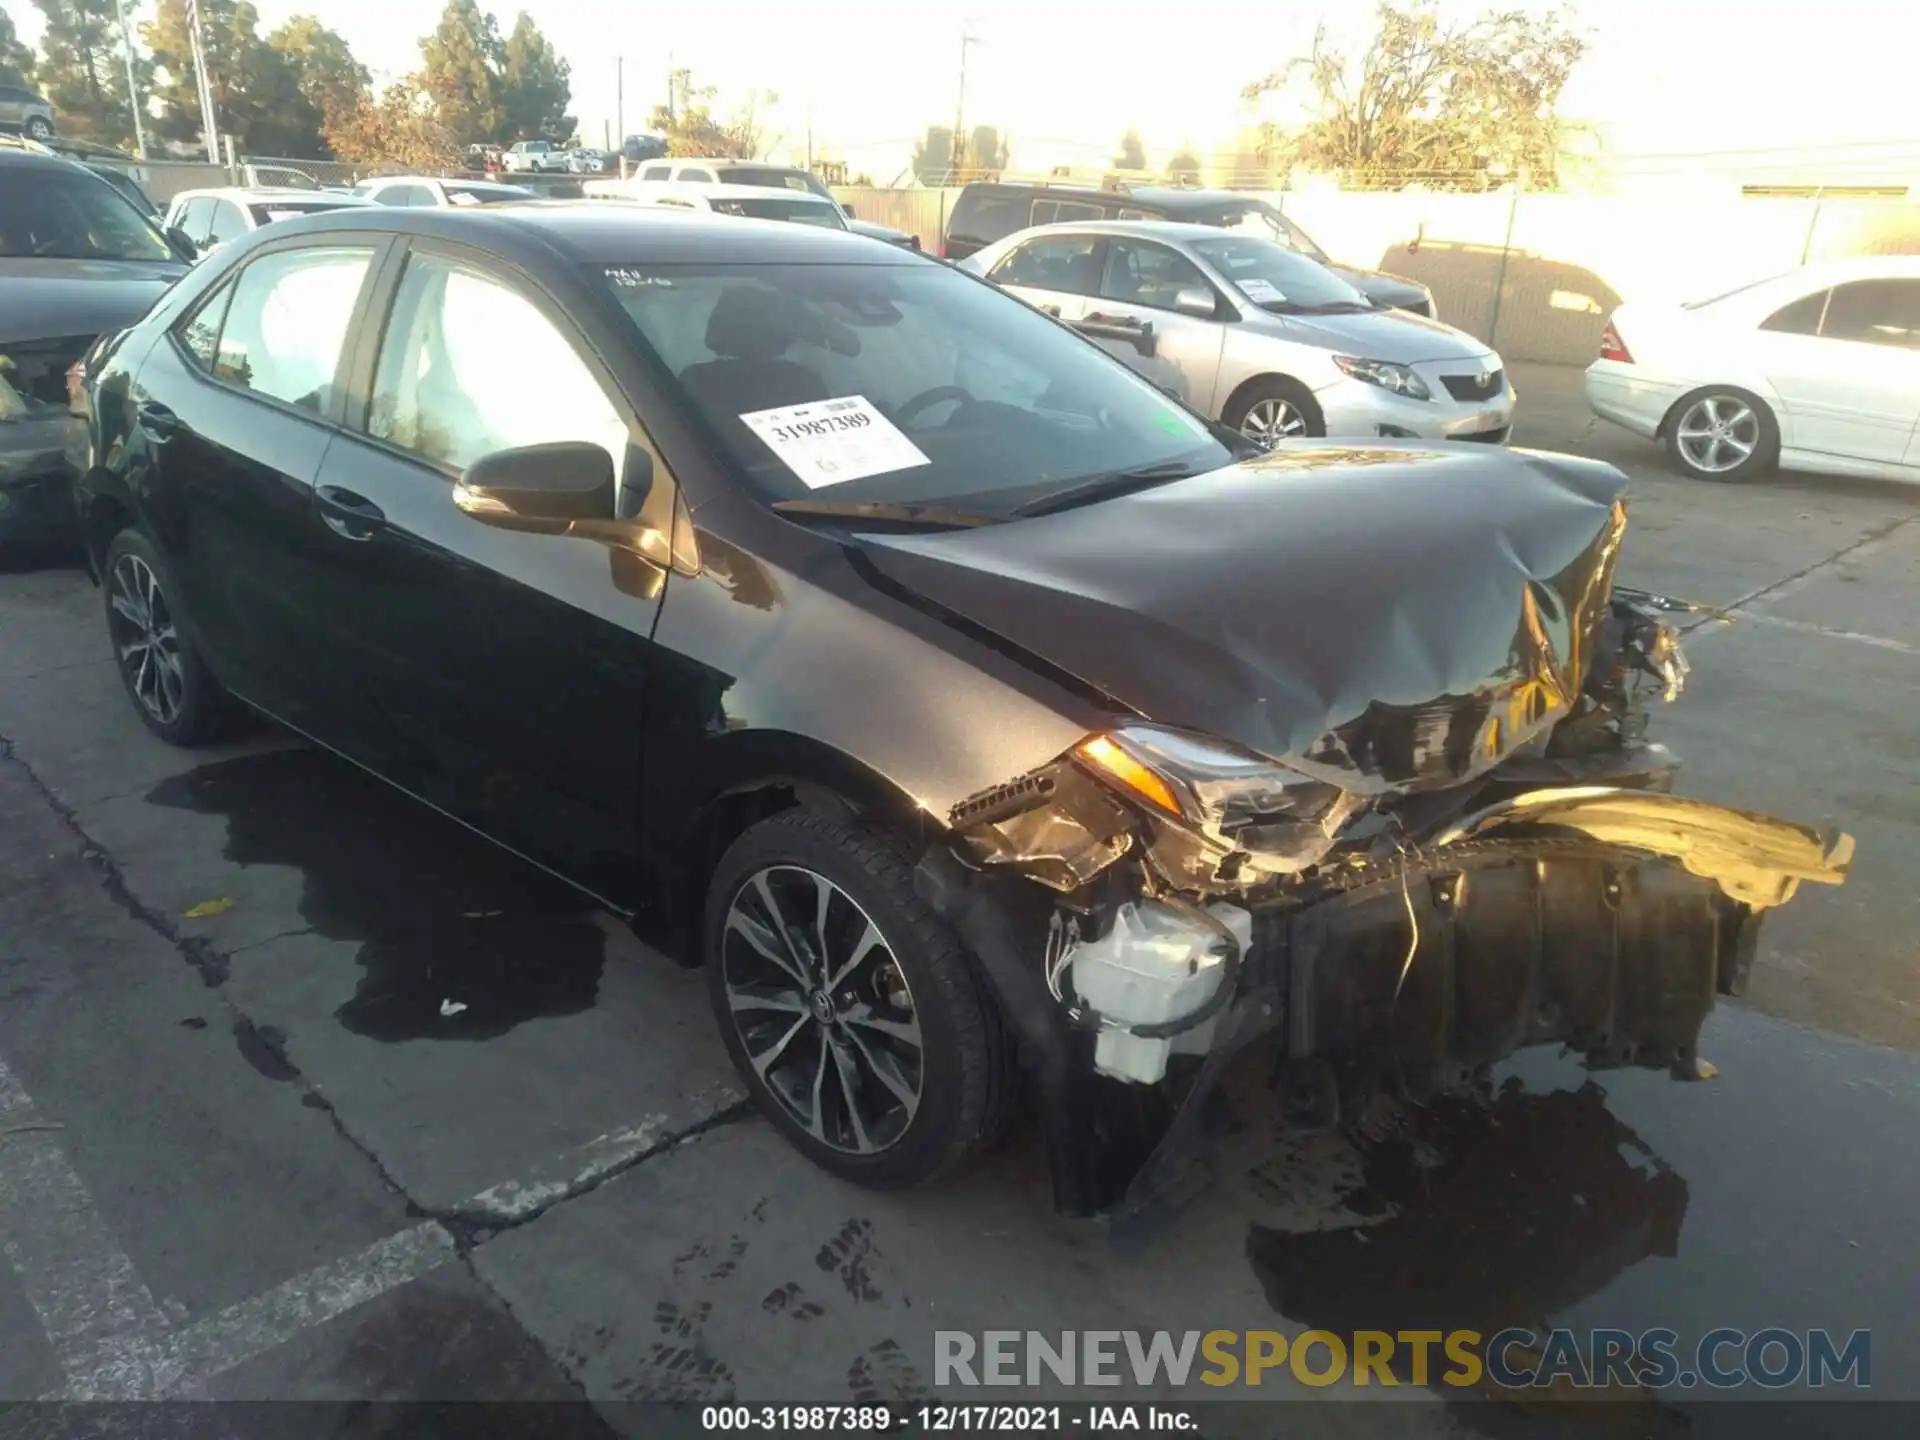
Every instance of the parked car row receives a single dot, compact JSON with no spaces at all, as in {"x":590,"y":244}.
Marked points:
{"x":966,"y":704}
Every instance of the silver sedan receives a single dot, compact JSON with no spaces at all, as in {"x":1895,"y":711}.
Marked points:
{"x":1255,"y":335}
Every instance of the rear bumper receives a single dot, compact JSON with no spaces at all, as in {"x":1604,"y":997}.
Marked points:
{"x":1629,"y":397}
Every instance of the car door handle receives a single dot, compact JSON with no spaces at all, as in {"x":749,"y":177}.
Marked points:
{"x":1119,"y":322}
{"x":157,"y":420}
{"x":351,"y":516}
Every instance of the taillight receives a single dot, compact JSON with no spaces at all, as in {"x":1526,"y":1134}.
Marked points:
{"x":1612,"y":347}
{"x":943,"y":250}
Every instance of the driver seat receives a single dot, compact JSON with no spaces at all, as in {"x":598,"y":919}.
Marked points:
{"x":750,"y":330}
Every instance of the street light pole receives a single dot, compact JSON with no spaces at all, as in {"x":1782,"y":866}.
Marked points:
{"x":133,"y":90}
{"x":620,"y":97}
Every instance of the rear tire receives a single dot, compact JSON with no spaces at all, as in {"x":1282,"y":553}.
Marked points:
{"x":1274,"y":409}
{"x":39,"y":129}
{"x":864,"y":1036}
{"x":1722,"y":433}
{"x":173,"y":692}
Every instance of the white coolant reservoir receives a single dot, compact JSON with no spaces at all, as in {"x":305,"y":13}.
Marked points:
{"x":1156,"y":964}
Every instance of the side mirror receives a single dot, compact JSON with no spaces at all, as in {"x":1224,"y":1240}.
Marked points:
{"x":1195,"y":301}
{"x":182,"y":243}
{"x":539,"y":489}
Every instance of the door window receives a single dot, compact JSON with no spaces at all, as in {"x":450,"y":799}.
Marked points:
{"x":1062,"y":212}
{"x":227,"y":222}
{"x":195,"y":216}
{"x":657,"y":172}
{"x":1802,"y":317}
{"x":200,"y":335}
{"x":1875,"y":312}
{"x":470,"y":367}
{"x":404,"y":195}
{"x":982,"y":216}
{"x":1137,"y":273}
{"x":1065,"y":264}
{"x":288,"y":322}
{"x":697,"y":177}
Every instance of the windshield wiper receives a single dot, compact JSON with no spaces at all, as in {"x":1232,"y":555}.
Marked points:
{"x":934,"y":517}
{"x":1107,"y":487}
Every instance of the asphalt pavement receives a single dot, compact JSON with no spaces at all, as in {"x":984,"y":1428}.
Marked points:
{"x":307,"y":1094}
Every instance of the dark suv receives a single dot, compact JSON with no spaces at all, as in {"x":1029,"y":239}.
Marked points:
{"x":989,"y":212}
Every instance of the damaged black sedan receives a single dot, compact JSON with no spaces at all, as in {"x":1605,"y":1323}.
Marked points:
{"x":974,"y":712}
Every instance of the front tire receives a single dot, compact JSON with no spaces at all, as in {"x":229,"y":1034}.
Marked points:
{"x":849,"y":1008}
{"x":173,"y":692}
{"x":1722,"y":433}
{"x":39,"y":129}
{"x":1269,"y":411}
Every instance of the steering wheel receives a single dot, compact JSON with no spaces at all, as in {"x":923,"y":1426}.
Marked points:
{"x":905,"y":412}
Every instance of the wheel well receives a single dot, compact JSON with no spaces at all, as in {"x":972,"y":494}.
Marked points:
{"x":1760,"y":406}
{"x":104,"y":518}
{"x":1243,"y":395}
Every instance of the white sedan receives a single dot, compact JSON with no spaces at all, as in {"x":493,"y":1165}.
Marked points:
{"x":1817,"y":370}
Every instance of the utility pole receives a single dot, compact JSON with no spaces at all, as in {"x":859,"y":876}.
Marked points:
{"x":133,"y":90}
{"x":959,"y":146}
{"x":620,"y":98}
{"x":673,"y":110}
{"x":208,"y":123}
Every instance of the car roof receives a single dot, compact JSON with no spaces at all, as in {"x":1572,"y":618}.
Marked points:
{"x":252,"y":194}
{"x":24,"y":158}
{"x":592,"y":232}
{"x":723,"y":191}
{"x":1861,"y":267}
{"x":1172,"y":231}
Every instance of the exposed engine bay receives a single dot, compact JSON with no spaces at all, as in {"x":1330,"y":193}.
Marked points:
{"x":1457,"y":865}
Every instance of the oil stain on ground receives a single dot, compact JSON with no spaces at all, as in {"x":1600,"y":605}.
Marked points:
{"x":1500,"y":1212}
{"x":458,"y":939}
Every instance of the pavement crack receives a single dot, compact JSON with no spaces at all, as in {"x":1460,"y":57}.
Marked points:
{"x":1869,"y":541}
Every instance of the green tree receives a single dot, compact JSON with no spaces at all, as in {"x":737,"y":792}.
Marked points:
{"x":1184,"y":168}
{"x":461,"y":71}
{"x":933,"y":156}
{"x":324,"y":69}
{"x":83,"y":71}
{"x":257,"y":97}
{"x":536,"y":85}
{"x":16,"y":60}
{"x":1133,"y":154}
{"x":1452,"y":105}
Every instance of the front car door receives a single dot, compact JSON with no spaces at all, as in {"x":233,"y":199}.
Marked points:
{"x":1846,"y":365}
{"x":497,"y":674}
{"x":236,"y":407}
{"x":1054,"y":273}
{"x":1135,"y":319}
{"x":225,"y":222}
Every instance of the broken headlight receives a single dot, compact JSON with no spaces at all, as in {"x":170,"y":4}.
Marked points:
{"x":1244,"y":798}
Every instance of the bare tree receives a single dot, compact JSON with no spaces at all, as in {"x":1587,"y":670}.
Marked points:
{"x":1453,"y":106}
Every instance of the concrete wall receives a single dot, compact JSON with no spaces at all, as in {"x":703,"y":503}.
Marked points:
{"x":1537,"y":275}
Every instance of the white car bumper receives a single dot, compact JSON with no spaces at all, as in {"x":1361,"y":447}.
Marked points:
{"x":1628,"y":396}
{"x":1357,"y":410}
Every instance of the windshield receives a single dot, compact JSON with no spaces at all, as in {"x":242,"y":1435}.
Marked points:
{"x":1261,"y":221}
{"x":267,"y":212}
{"x":774,"y":178}
{"x":909,"y":384}
{"x":72,"y":215}
{"x":801,"y":212}
{"x":1278,"y":279}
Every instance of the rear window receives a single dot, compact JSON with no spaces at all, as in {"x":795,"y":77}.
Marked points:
{"x":773,"y":178}
{"x":986,"y":215}
{"x":268,"y":212}
{"x":776,"y":207}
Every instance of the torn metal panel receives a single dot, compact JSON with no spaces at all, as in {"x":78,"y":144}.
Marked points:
{"x":1754,"y":859}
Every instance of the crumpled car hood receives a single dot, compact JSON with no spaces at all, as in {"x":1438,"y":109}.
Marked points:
{"x":1384,"y":617}
{"x":45,"y":298}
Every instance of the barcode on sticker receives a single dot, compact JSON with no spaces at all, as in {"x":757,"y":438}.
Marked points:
{"x":834,"y":407}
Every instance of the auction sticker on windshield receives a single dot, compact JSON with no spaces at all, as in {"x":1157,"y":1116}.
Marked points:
{"x":1260,"y":292}
{"x":829,"y":442}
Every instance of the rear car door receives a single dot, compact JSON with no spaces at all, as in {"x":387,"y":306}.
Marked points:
{"x":1134,"y":319}
{"x":496,"y":674}
{"x":236,"y":407}
{"x":1850,"y":377}
{"x":13,"y":105}
{"x":1054,"y":273}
